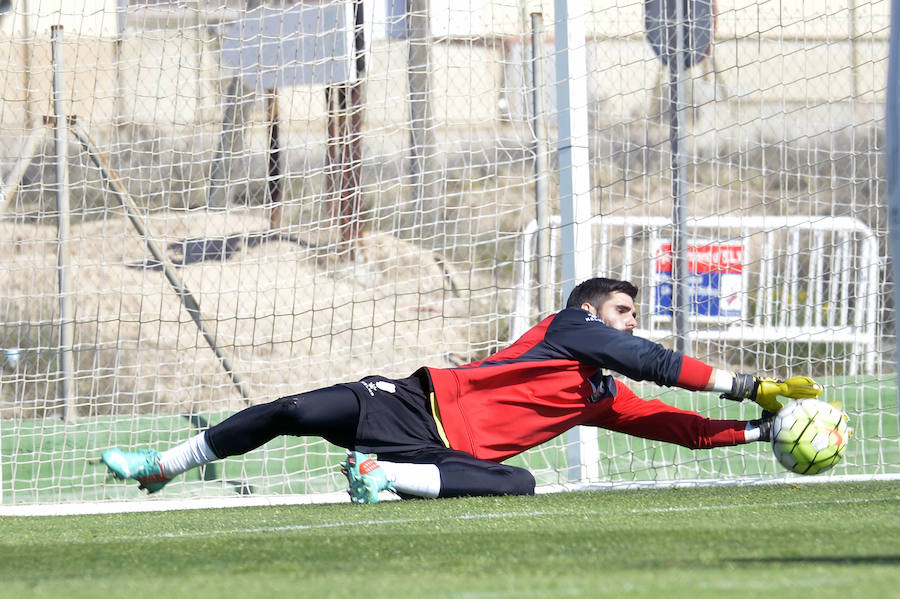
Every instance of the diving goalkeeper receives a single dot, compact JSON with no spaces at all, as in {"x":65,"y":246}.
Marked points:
{"x":444,"y":432}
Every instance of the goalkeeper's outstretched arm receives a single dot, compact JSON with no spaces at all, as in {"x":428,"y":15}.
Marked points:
{"x":763,"y":390}
{"x":695,"y":375}
{"x":606,"y":343}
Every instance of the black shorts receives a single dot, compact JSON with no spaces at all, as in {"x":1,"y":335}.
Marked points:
{"x":395,"y":415}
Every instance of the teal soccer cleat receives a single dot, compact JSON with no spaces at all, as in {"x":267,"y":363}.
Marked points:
{"x":366,"y":478}
{"x":141,"y":465}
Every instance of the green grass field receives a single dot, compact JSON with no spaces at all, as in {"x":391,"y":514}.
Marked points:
{"x":817,"y":540}
{"x":50,"y":461}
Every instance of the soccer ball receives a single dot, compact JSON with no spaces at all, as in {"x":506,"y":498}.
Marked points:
{"x":809,"y":436}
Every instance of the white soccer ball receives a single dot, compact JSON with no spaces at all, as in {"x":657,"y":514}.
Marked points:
{"x":809,"y":435}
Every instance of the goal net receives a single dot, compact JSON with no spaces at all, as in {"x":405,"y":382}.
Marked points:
{"x":211,"y":204}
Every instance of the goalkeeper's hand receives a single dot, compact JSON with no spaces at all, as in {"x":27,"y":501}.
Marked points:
{"x":796,"y":387}
{"x":765,"y":391}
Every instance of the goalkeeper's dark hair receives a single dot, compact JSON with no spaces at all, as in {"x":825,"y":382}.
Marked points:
{"x":597,"y":290}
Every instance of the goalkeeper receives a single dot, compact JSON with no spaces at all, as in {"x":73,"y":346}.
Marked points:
{"x":444,"y":432}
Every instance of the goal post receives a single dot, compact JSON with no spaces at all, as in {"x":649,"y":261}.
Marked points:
{"x":250,"y":160}
{"x":892,"y":134}
{"x":574,"y":190}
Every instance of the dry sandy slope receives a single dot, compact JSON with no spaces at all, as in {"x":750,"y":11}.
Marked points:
{"x":290,"y":317}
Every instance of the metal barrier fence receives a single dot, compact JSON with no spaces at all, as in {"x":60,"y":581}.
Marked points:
{"x":796,"y":280}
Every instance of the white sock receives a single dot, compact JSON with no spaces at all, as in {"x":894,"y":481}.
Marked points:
{"x":751,"y":432}
{"x":190,"y":454}
{"x":422,"y":480}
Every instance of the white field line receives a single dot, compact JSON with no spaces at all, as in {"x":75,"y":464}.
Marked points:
{"x":160,"y":504}
{"x":455,"y":518}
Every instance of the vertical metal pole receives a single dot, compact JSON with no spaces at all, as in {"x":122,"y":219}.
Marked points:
{"x":28,"y":43}
{"x":66,"y":322}
{"x":344,"y":149}
{"x":680,"y":273}
{"x":893,"y":159}
{"x":273,"y":171}
{"x":574,"y":160}
{"x":344,"y":153}
{"x":854,"y":50}
{"x":574,"y":193}
{"x":422,"y":173}
{"x":542,"y":176}
{"x":122,"y":6}
{"x":231,"y":143}
{"x":352,"y":187}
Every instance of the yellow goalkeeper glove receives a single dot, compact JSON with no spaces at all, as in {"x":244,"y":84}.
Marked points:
{"x":765,"y":391}
{"x":796,"y":387}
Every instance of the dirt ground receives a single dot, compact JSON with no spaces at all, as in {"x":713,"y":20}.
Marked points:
{"x":285,"y":325}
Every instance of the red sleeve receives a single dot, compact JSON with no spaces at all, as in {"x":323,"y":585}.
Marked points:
{"x":694,"y":374}
{"x":652,"y":419}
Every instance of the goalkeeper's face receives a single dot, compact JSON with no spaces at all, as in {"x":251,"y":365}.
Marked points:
{"x":618,"y":311}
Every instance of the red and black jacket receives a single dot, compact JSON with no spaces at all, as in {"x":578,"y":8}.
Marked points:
{"x":551,"y":380}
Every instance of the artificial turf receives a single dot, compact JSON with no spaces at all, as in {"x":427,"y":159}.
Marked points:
{"x":817,"y":540}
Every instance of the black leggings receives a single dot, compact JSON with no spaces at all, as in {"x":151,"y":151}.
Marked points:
{"x":333,"y":413}
{"x":463,"y":475}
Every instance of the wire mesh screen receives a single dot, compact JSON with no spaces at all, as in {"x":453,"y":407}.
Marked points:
{"x":258,"y":199}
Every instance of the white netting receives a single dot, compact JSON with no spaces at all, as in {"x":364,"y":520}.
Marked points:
{"x":342,"y":200}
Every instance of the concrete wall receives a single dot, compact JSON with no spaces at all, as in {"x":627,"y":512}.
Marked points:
{"x":784,"y":53}
{"x":91,"y":18}
{"x":89,"y":74}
